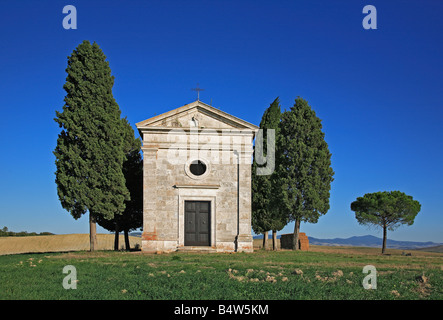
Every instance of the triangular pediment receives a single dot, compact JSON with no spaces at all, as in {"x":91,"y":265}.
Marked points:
{"x":196,"y":115}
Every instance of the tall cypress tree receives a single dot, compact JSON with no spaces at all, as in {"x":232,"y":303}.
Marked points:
{"x":303,"y":166}
{"x":89,"y":152}
{"x":266,"y":215}
{"x":132,"y":217}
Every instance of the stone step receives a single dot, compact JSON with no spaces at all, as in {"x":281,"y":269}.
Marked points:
{"x":201,"y":249}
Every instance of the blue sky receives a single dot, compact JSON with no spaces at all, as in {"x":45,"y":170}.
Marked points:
{"x":378,"y":92}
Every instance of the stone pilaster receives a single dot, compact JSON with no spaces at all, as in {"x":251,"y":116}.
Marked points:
{"x":149,"y":235}
{"x":244,"y":241}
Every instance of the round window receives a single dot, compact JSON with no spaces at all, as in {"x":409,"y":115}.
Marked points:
{"x":197,"y":167}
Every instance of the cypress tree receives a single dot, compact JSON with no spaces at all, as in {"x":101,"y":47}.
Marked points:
{"x":132,"y":217}
{"x":266,"y":215}
{"x":89,"y":152}
{"x":303,"y":166}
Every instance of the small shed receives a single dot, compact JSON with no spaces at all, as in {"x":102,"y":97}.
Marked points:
{"x":286,"y":241}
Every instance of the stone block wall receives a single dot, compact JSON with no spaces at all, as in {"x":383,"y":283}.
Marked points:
{"x":167,"y":185}
{"x":286,"y":241}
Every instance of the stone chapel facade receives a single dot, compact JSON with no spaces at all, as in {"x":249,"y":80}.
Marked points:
{"x":197,"y":180}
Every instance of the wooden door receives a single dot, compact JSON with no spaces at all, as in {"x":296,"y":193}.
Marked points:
{"x":197,"y":223}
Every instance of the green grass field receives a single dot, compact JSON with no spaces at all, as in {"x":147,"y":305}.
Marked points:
{"x":322,"y":273}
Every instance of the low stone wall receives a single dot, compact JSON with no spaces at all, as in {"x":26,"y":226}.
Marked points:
{"x":286,"y":241}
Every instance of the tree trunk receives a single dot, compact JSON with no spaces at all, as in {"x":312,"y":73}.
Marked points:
{"x":274,"y":240}
{"x":383,"y":249}
{"x":265,"y":240}
{"x":116,"y":236}
{"x":295,"y":245}
{"x":127,"y":244}
{"x":92,"y":233}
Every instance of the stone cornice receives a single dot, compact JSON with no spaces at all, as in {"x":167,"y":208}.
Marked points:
{"x":197,"y":186}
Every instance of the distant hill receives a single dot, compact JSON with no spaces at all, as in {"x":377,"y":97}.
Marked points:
{"x":269,"y":236}
{"x":6,"y":233}
{"x":371,"y":241}
{"x":135,"y":234}
{"x":432,"y":249}
{"x":368,"y":241}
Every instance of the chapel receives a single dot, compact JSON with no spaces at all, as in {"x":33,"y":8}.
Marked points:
{"x":197,"y":180}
